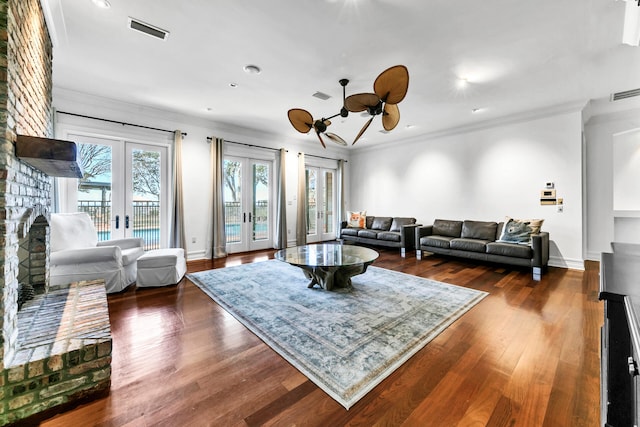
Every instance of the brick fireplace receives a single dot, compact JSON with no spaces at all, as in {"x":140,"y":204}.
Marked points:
{"x":57,"y":348}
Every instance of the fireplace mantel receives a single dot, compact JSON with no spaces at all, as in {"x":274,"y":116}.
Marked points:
{"x":55,"y":157}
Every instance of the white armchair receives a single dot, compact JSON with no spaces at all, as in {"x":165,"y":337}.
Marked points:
{"x":76,"y":254}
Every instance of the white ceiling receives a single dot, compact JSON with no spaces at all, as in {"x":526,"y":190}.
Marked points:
{"x":518,"y":56}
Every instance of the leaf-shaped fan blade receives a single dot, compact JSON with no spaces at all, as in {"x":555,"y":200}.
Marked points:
{"x":321,"y":141}
{"x":392,"y":84}
{"x":366,"y":125}
{"x":335,"y":138}
{"x":361,"y":101}
{"x":301,"y":120}
{"x":390,"y":116}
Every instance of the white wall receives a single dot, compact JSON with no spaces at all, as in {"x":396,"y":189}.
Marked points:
{"x":195,"y":151}
{"x":483,"y":174}
{"x":604,"y":224}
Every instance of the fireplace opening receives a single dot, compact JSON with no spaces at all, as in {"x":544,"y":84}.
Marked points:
{"x":33,"y":239}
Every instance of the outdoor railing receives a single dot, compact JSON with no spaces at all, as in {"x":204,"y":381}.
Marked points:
{"x":234,"y":217}
{"x":145,"y":220}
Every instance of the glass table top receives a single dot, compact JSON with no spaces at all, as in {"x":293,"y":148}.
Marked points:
{"x":326,"y":255}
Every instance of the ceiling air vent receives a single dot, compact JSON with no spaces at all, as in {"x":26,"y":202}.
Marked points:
{"x":322,"y":96}
{"x":147,"y":29}
{"x":625,"y":94}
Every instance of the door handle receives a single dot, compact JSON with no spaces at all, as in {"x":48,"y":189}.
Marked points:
{"x":126,"y":222}
{"x":249,"y":216}
{"x":244,"y":217}
{"x":117,"y":221}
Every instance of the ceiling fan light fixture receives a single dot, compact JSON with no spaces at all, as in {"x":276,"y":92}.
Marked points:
{"x":252,"y":69}
{"x":390,"y":88}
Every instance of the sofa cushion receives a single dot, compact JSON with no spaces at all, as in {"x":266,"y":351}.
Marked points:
{"x":350,"y":231}
{"x":368,"y":234}
{"x":483,"y":230}
{"x":391,"y":236}
{"x":369,"y":221}
{"x":444,"y":227}
{"x":510,"y":250}
{"x":436,"y":241}
{"x":356,"y":219}
{"x":382,"y":223}
{"x":471,"y":245}
{"x":399,"y":222}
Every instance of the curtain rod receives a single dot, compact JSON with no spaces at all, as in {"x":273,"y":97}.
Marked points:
{"x":209,"y":139}
{"x":117,"y":122}
{"x":322,"y":157}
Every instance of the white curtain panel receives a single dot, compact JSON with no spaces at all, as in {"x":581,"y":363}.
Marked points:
{"x":301,"y":220}
{"x":341,"y":215}
{"x":177,"y":237}
{"x":281,"y":210}
{"x":218,"y":238}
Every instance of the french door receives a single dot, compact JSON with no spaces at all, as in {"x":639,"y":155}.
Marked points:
{"x":248,"y":203}
{"x":321,"y":202}
{"x":124,"y":189}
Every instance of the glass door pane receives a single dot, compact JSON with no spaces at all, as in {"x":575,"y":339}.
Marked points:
{"x":145,"y":186}
{"x":260,"y":223}
{"x":232,"y":196}
{"x":328,"y":202}
{"x":95,"y":188}
{"x":312,"y":207}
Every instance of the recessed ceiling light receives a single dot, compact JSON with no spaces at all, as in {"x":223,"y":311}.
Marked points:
{"x":102,"y":4}
{"x":252,"y":69}
{"x":477,"y":110}
{"x":233,"y":85}
{"x":462,"y":83}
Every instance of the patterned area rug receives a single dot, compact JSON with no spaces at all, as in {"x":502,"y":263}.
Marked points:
{"x":348,"y":341}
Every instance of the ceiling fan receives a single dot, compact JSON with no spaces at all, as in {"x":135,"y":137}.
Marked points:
{"x":390,"y":87}
{"x":303,"y":121}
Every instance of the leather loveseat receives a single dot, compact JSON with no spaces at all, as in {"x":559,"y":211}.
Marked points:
{"x":394,"y":232}
{"x":480,"y":240}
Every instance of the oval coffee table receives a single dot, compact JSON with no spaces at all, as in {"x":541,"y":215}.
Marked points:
{"x":329,"y":265}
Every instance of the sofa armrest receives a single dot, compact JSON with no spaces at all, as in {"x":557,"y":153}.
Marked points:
{"x":540,"y":246}
{"x":408,"y":236}
{"x":108,"y":254}
{"x":423,"y":230}
{"x":126,"y":243}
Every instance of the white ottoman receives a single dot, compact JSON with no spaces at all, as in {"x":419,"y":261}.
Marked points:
{"x":161,"y":267}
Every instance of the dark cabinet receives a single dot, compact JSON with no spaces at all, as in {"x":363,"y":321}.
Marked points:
{"x":620,"y":347}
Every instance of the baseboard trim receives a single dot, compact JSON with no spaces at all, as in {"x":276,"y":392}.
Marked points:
{"x":195,"y":255}
{"x":573,"y":264}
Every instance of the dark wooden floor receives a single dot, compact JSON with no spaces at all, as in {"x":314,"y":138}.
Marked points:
{"x":527,"y":355}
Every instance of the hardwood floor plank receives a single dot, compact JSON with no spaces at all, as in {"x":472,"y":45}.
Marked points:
{"x":527,"y":355}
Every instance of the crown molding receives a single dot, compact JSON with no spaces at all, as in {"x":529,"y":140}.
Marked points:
{"x":527,"y":116}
